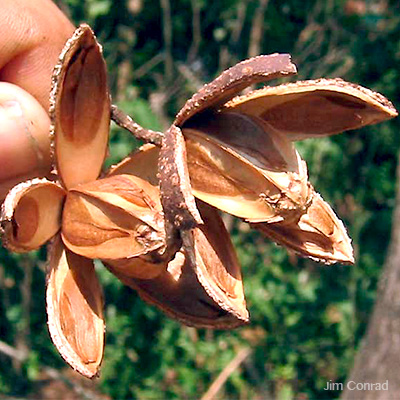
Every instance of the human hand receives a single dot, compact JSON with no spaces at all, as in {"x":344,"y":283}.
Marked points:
{"x":32,"y":34}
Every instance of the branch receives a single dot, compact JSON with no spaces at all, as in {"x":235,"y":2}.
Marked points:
{"x":226,"y":373}
{"x":196,"y":31}
{"x":145,"y":68}
{"x":239,"y":23}
{"x":125,"y":121}
{"x":12,"y":352}
{"x":167,"y":35}
{"x":257,"y":29}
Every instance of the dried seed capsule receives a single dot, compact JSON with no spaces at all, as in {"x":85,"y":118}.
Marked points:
{"x":31,"y":214}
{"x":80,"y":109}
{"x":113,"y":218}
{"x":75,"y":310}
{"x":240,"y":166}
{"x":318,"y":234}
{"x":314,"y":108}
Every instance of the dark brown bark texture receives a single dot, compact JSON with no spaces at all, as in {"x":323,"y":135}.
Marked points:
{"x":378,"y":359}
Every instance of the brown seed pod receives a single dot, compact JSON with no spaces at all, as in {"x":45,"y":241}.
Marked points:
{"x":242,"y":168}
{"x":31,"y":214}
{"x":318,"y":234}
{"x":74,"y":308}
{"x":112,"y":218}
{"x":80,"y":109}
{"x":314,"y":108}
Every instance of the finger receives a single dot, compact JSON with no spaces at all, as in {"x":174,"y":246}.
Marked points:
{"x":32,"y":34}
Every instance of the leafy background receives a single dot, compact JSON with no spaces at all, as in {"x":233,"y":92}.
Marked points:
{"x":306,"y":319}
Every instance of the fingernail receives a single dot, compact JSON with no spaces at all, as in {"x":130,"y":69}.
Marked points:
{"x":12,"y":108}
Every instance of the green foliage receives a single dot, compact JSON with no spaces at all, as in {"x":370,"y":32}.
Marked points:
{"x":306,"y":319}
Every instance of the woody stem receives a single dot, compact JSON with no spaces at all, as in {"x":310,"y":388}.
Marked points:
{"x":125,"y":121}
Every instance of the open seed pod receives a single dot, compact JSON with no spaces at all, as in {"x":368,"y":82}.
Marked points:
{"x":74,"y":309}
{"x":31,"y":214}
{"x":240,"y":166}
{"x":318,"y":234}
{"x":206,"y":294}
{"x":314,"y":108}
{"x":113,"y":218}
{"x":80,"y":109}
{"x":240,"y":159}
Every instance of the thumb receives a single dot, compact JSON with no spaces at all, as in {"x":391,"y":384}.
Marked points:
{"x":24,"y":137}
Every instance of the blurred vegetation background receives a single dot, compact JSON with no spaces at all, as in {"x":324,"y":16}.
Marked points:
{"x":307,"y":320}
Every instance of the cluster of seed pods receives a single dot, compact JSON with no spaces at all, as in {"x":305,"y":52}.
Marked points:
{"x":154,"y":219}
